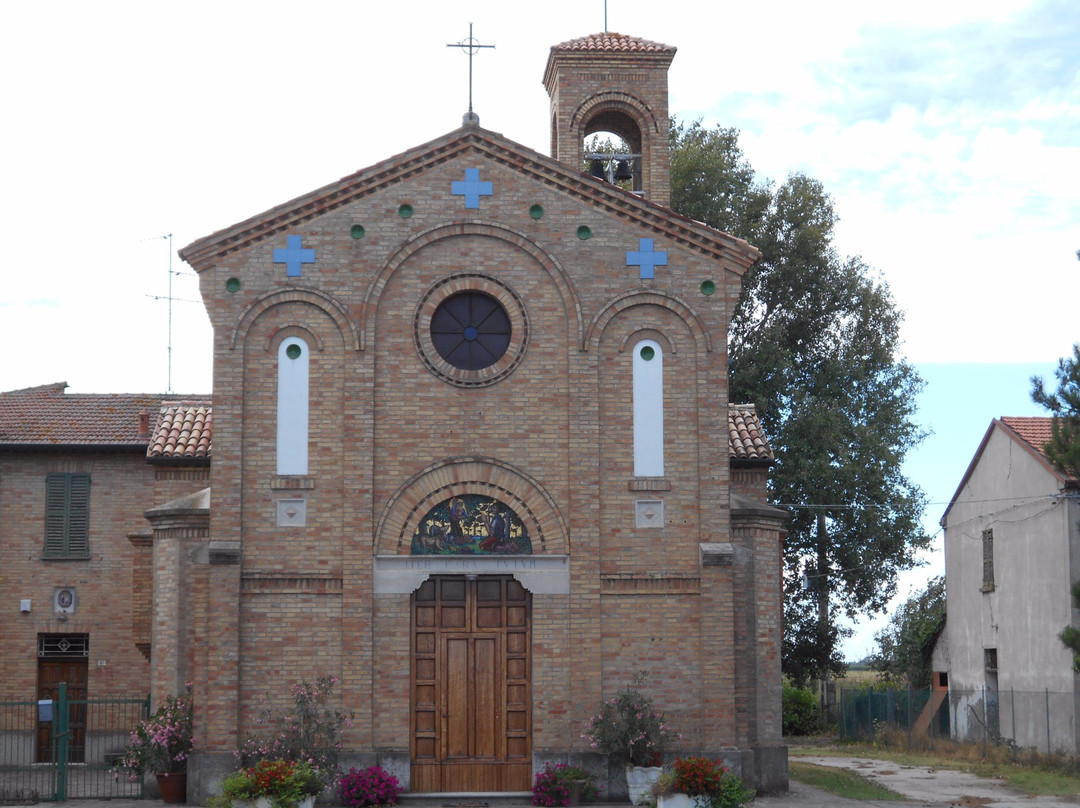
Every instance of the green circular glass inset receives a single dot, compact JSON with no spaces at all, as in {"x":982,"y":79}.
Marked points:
{"x":293,"y":351}
{"x":707,"y":287}
{"x":232,"y":285}
{"x":584,"y":232}
{"x":405,"y":211}
{"x":536,"y":211}
{"x":357,"y":231}
{"x":647,"y":352}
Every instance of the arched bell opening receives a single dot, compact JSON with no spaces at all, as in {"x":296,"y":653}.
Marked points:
{"x":613,"y":150}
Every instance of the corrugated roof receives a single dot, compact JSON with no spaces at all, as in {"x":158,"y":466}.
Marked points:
{"x":611,"y":41}
{"x":746,"y":441}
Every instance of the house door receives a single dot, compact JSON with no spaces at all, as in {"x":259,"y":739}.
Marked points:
{"x":471,"y":694}
{"x":51,"y":672}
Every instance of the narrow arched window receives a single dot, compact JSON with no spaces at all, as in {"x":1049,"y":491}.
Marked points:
{"x":648,"y":409}
{"x":292,"y":407}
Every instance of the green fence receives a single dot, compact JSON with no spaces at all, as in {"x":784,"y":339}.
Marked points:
{"x":862,"y":711}
{"x":63,"y":749}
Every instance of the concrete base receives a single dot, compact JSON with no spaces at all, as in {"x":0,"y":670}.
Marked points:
{"x":771,"y":769}
{"x":205,"y":772}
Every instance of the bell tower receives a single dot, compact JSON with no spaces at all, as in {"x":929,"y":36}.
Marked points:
{"x":609,"y":82}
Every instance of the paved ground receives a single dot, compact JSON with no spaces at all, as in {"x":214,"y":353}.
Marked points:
{"x":927,"y":787}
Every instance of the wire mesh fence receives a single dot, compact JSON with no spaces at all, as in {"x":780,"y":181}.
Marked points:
{"x":1041,"y":720}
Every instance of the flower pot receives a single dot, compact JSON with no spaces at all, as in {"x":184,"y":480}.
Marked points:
{"x":173,"y":786}
{"x":638,"y":781}
{"x":678,"y":800}
{"x":574,"y":789}
{"x":265,"y":802}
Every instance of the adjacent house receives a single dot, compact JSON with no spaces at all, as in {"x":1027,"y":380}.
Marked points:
{"x":1012,"y":552}
{"x":76,"y":473}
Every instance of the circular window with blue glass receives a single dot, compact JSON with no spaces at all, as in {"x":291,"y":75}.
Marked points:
{"x":471,"y":330}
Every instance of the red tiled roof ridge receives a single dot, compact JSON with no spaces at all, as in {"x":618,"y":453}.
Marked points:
{"x":613,"y":41}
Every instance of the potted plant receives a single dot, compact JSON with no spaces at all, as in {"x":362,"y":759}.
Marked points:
{"x":269,"y":784}
{"x":633,"y":734}
{"x":560,"y":784}
{"x":372,"y":786}
{"x":697,"y":782}
{"x":161,"y":745}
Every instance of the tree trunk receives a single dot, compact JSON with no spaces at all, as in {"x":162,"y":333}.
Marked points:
{"x":823,"y":575}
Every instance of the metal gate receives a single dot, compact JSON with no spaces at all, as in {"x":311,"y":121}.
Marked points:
{"x":75,"y":765}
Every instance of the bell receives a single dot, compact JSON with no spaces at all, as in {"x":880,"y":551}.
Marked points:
{"x":623,"y":172}
{"x":596,"y":168}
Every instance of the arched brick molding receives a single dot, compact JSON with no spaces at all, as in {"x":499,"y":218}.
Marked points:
{"x":648,"y":298}
{"x":321,"y":300}
{"x":467,"y":228}
{"x":471,"y":475}
{"x":613,"y":101}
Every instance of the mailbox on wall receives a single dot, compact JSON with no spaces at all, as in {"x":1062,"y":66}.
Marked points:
{"x":45,"y":709}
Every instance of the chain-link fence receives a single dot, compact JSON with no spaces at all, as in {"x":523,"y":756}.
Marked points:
{"x":1041,"y":720}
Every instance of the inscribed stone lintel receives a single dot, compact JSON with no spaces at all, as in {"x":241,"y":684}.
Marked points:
{"x":540,"y":574}
{"x":224,"y":552}
{"x":720,"y":553}
{"x":651,"y":584}
{"x":649,"y":484}
{"x":292,"y":483}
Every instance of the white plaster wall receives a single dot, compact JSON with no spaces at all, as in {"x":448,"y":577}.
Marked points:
{"x":1011,"y":491}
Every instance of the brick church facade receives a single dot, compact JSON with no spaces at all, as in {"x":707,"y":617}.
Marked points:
{"x":473,"y":454}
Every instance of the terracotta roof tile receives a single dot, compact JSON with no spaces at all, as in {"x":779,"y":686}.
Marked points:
{"x":745,"y":438}
{"x":47,"y":416}
{"x":184,"y":431}
{"x":613,"y":42}
{"x":1034,"y":431}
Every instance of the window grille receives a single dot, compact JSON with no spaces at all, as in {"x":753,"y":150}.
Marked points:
{"x":66,"y":646}
{"x":991,"y":659}
{"x":988,"y":559}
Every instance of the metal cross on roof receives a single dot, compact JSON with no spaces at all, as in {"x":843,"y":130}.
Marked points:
{"x":469,"y":46}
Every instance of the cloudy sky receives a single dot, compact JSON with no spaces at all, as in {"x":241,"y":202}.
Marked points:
{"x":948,"y":134}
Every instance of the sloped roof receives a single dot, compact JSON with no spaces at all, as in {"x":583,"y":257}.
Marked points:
{"x":746,"y":440}
{"x":1029,"y":432}
{"x":47,"y":416}
{"x":184,"y":431}
{"x":472,"y":140}
{"x":613,"y":42}
{"x":1033,"y":431}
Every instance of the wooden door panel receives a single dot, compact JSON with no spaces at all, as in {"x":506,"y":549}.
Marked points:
{"x":51,"y":672}
{"x":472,"y":719}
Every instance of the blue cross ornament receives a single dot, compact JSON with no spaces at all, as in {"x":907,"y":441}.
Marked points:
{"x":293,"y":256}
{"x":472,"y":189}
{"x":646,"y":258}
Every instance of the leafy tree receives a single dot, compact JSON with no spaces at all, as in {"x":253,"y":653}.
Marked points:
{"x":1063,"y":449}
{"x":814,"y":343}
{"x":906,"y":644}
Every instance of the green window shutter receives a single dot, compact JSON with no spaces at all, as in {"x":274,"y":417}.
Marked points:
{"x":79,"y":515}
{"x":67,"y":515}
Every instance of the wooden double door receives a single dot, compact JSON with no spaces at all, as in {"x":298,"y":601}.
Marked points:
{"x":471,"y":690}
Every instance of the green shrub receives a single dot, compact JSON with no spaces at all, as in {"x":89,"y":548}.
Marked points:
{"x":801,"y":713}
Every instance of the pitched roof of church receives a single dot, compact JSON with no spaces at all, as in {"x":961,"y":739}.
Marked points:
{"x":183,"y":430}
{"x":737,"y":254}
{"x":611,"y":41}
{"x":745,"y":438}
{"x":47,"y":416}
